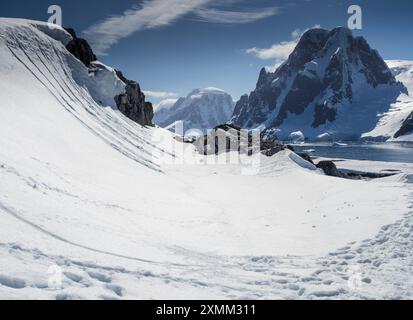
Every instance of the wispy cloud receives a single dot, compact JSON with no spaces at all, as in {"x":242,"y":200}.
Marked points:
{"x":159,"y":94}
{"x":279,"y":51}
{"x":149,"y":15}
{"x":164,"y":104}
{"x":248,"y":16}
{"x":152,"y":14}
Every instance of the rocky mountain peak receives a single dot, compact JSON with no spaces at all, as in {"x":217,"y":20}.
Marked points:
{"x":311,"y":42}
{"x":319,"y":80}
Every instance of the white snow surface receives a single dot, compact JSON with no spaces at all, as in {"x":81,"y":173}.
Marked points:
{"x":85,"y":191}
{"x":391,"y":121}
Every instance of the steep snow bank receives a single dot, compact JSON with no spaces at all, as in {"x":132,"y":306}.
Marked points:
{"x":391,"y":121}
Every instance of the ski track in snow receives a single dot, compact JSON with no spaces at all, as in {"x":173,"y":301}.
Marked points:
{"x":384,"y":263}
{"x":64,"y":93}
{"x":118,"y":222}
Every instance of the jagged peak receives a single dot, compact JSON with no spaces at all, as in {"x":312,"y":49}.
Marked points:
{"x":326,"y":71}
{"x":263,"y":78}
{"x":314,"y":35}
{"x":340,"y":32}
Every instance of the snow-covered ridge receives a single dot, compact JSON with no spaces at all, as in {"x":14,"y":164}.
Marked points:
{"x":202,"y":109}
{"x":53,"y":31}
{"x":391,"y":121}
{"x":38,"y":73}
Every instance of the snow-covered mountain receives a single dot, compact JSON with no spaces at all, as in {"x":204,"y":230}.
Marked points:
{"x":397,"y":123}
{"x":91,"y":207}
{"x":203,"y":109}
{"x":333,"y":86}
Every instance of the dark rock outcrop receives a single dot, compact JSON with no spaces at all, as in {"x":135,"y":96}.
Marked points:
{"x":366,"y":175}
{"x":122,"y":77}
{"x":272,"y":147}
{"x":329,"y":169}
{"x":229,"y":137}
{"x":133,"y":105}
{"x":406,"y":128}
{"x":306,"y":157}
{"x":80,"y":48}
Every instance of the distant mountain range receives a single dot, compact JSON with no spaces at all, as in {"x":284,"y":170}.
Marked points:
{"x":333,"y":86}
{"x":202,"y":109}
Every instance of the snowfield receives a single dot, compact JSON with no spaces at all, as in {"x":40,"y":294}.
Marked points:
{"x":91,"y":206}
{"x":392,"y":120}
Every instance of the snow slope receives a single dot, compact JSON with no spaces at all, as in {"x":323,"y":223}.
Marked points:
{"x":202,"y":110}
{"x":91,"y":198}
{"x":391,"y":121}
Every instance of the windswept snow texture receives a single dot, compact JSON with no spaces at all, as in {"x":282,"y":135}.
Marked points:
{"x":202,"y":109}
{"x":91,"y":209}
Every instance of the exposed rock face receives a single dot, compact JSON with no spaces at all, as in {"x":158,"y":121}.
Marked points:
{"x":133,"y":105}
{"x":80,"y":48}
{"x":406,"y":128}
{"x":132,"y":102}
{"x":321,"y":84}
{"x":227,"y":137}
{"x":329,"y":169}
{"x":306,"y":157}
{"x":122,"y":77}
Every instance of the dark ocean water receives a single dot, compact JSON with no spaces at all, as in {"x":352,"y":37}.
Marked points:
{"x":389,"y":152}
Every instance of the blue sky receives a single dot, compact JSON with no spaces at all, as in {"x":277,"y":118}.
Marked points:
{"x":174,"y":46}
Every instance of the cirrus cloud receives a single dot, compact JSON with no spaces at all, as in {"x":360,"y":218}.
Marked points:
{"x":152,"y":14}
{"x":221,"y":16}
